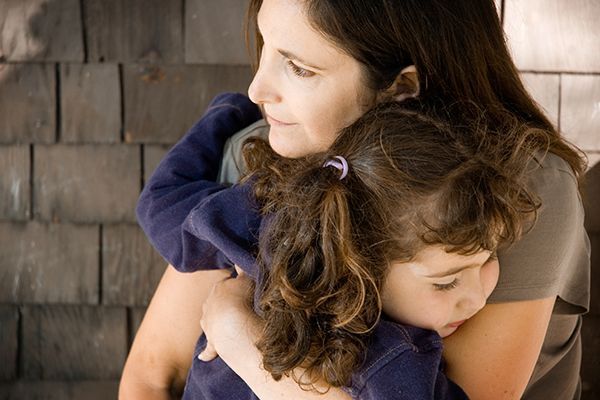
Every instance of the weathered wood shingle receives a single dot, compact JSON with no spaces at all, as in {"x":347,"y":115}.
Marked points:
{"x":9,"y":320}
{"x":580,"y":110}
{"x":73,"y":342}
{"x":131,"y":267}
{"x":162,"y":102}
{"x":90,"y":103}
{"x":15,"y":192}
{"x":86,"y":183}
{"x":545,"y":91}
{"x":134,"y":30}
{"x":41,"y":30}
{"x":48,"y":263}
{"x":27,"y":103}
{"x":213,"y":32}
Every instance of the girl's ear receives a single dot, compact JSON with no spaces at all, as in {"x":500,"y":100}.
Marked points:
{"x":405,"y":86}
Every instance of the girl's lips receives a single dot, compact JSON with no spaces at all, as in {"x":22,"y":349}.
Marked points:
{"x":457,"y":324}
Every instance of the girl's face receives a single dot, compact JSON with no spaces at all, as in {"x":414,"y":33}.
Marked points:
{"x":309,"y":89}
{"x":439,"y":290}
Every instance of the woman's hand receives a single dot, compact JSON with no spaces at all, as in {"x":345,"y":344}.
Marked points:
{"x":228,"y":320}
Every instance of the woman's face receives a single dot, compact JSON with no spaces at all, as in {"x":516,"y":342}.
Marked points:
{"x":309,"y":88}
{"x":439,"y":290}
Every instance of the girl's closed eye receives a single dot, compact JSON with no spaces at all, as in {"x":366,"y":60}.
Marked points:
{"x":299,"y":71}
{"x":446,"y":286}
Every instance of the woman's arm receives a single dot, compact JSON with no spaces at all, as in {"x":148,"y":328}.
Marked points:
{"x":492,"y":356}
{"x":163,"y":347}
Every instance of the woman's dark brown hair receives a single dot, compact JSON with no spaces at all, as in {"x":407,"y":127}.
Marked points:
{"x":458,"y":49}
{"x":414,"y":180}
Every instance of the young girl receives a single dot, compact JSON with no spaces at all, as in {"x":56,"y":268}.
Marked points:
{"x":384,"y":227}
{"x":318,"y":73}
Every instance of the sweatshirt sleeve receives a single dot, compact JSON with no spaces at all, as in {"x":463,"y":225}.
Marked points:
{"x":187,"y":176}
{"x":403,"y":363}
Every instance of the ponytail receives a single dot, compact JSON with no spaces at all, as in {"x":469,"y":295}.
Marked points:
{"x":318,"y":299}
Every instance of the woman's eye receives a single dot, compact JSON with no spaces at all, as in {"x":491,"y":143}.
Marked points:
{"x":446,"y":286}
{"x":301,"y":72}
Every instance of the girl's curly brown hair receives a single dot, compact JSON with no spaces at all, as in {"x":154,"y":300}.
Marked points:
{"x":414,"y":180}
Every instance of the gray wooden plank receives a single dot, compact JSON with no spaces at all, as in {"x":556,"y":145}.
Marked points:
{"x":544,"y":88}
{"x":59,"y":390}
{"x":591,"y":200}
{"x":41,"y":30}
{"x":136,"y":315}
{"x":9,"y":328}
{"x":214,"y":32}
{"x":580,"y":110}
{"x":153,"y":154}
{"x":162,"y":102}
{"x":15,"y":192}
{"x":73,"y":342}
{"x":90,"y":103}
{"x":558,"y":35}
{"x":134,"y":30}
{"x":131,"y":267}
{"x":86,"y":183}
{"x":48,"y":263}
{"x":27,"y":103}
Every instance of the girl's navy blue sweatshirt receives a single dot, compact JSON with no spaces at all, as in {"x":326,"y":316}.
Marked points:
{"x":196,"y":223}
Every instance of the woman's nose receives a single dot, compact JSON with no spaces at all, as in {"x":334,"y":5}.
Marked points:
{"x":262,"y":89}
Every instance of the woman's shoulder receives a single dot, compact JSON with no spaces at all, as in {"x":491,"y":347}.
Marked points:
{"x":553,"y":256}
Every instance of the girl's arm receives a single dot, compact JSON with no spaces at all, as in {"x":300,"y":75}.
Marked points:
{"x":492,"y":355}
{"x":163,"y":347}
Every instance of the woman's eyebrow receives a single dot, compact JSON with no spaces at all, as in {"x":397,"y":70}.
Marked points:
{"x":292,"y":56}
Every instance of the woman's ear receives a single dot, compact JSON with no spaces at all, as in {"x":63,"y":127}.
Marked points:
{"x":405,"y":86}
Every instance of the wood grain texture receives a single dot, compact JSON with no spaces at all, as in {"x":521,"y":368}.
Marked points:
{"x":9,"y":321}
{"x":56,"y":390}
{"x":163,"y":102}
{"x":545,"y":90}
{"x":131,"y":267}
{"x":48,"y":263}
{"x":214,"y":32}
{"x":153,"y":154}
{"x":41,"y":30}
{"x":90,"y":103}
{"x":15,"y":190}
{"x":86,"y":183}
{"x":134,"y":30}
{"x":27,"y":103}
{"x":580,"y":110}
{"x":73,"y":342}
{"x":554,"y":35}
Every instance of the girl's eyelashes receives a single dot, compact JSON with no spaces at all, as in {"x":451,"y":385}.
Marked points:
{"x":299,"y":71}
{"x":446,"y":286}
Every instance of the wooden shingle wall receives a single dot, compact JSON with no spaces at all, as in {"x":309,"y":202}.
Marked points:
{"x":93,"y":93}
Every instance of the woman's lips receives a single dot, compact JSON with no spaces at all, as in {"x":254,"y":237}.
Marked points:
{"x":276,"y":122}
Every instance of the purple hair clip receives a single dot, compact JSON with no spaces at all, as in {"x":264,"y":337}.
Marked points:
{"x":339,"y":163}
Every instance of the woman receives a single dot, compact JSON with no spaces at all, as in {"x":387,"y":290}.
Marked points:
{"x":317,"y":74}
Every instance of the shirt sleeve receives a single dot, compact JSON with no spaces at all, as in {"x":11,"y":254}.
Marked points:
{"x":552,"y":258}
{"x":186,"y":177}
{"x":403,"y":363}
